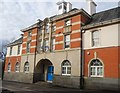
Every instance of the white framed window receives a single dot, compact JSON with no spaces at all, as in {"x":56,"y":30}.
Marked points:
{"x":96,"y":68}
{"x":29,"y":34}
{"x":18,"y":52}
{"x":54,"y":28}
{"x":17,"y":67}
{"x":53,"y":44}
{"x":28,"y":47}
{"x":67,"y":41}
{"x":66,"y":68}
{"x":67,"y":22}
{"x":9,"y":67}
{"x":46,"y":45}
{"x":26,"y":67}
{"x":11,"y":50}
{"x":95,"y":38}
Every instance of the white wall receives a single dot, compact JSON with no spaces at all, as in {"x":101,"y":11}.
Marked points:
{"x":108,"y":37}
{"x":14,"y":50}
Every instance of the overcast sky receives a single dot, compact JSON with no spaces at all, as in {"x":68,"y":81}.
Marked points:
{"x":18,"y":14}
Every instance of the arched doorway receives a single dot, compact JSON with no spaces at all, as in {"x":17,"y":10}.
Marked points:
{"x":44,"y":70}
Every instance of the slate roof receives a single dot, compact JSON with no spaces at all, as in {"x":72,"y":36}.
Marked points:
{"x":18,"y":41}
{"x":110,"y":14}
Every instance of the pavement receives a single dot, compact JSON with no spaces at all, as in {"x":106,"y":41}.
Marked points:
{"x":43,"y":87}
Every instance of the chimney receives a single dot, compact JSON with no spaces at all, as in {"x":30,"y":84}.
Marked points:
{"x":69,"y":6}
{"x":63,"y":7}
{"x":91,"y":7}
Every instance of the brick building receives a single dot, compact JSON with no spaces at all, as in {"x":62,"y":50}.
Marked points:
{"x":65,"y":48}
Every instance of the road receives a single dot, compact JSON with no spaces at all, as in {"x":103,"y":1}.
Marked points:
{"x":41,"y":87}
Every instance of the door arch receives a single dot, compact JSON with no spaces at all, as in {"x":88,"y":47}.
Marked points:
{"x":44,"y":70}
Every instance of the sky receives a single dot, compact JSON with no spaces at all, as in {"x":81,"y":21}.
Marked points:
{"x":19,"y":14}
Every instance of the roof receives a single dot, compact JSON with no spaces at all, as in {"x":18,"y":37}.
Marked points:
{"x":70,"y":13}
{"x":104,"y":16}
{"x":18,"y":41}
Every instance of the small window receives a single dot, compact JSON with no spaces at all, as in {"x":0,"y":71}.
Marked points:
{"x":67,"y":41}
{"x":9,"y":67}
{"x":18,"y":52}
{"x":66,"y":68}
{"x":26,"y":67}
{"x":67,"y":23}
{"x":95,"y":38}
{"x":46,"y":45}
{"x":54,"y":28}
{"x":60,"y":7}
{"x":10,"y":50}
{"x":96,"y":68}
{"x":28,"y":47}
{"x":53,"y":44}
{"x":29,"y":34}
{"x":17,"y":67}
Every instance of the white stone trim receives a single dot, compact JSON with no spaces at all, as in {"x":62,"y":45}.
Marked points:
{"x":61,"y":42}
{"x":24,"y":43}
{"x":57,"y":35}
{"x":75,"y":31}
{"x":76,"y":23}
{"x":34,"y":34}
{"x":34,"y":40}
{"x":33,"y":47}
{"x":60,"y":27}
{"x":77,"y":39}
{"x":100,"y":47}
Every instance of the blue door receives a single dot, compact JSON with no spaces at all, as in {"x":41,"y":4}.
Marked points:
{"x":50,"y":73}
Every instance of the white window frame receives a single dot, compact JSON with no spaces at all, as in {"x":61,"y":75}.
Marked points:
{"x":67,"y":22}
{"x":66,"y":41}
{"x":28,"y":47}
{"x":53,"y":28}
{"x":66,"y":68}
{"x":95,"y":74}
{"x":17,"y":67}
{"x":95,"y":39}
{"x":9,"y":67}
{"x":26,"y":67}
{"x":29,"y":34}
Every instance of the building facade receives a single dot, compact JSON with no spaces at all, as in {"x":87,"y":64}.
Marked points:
{"x":66,"y":47}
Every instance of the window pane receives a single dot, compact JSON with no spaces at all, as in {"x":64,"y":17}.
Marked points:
{"x":95,"y":38}
{"x":67,"y":41}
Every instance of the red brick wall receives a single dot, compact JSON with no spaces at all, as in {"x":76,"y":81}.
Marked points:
{"x":32,"y":44}
{"x":12,"y":60}
{"x":109,"y":56}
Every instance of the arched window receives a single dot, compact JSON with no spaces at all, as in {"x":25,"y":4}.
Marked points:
{"x":66,"y":68}
{"x":9,"y":67}
{"x":17,"y":67}
{"x":96,"y":68}
{"x":26,"y":67}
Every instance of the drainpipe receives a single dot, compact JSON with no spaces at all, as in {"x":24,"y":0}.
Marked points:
{"x":81,"y":63}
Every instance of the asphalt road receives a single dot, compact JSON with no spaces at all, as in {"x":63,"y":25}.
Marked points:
{"x":41,"y":87}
